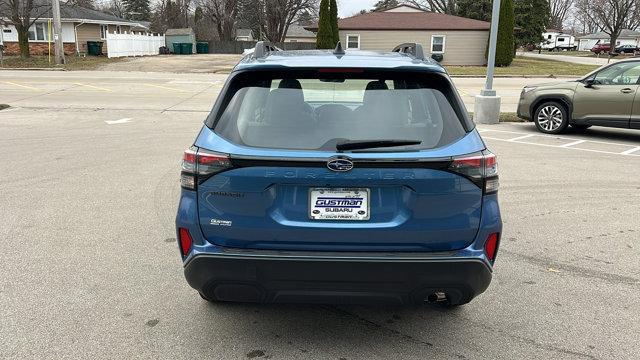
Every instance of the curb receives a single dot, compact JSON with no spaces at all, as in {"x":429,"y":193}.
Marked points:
{"x":34,"y":69}
{"x":548,"y":76}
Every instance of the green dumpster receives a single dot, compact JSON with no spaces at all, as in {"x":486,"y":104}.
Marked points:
{"x":94,"y":48}
{"x":187,"y":48}
{"x":177,"y":48}
{"x":202,"y":48}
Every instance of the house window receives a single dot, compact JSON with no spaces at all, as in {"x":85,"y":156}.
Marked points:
{"x":560,"y":39}
{"x":38,"y":32}
{"x":6,"y":31}
{"x":549,"y":37}
{"x":437,"y":44}
{"x":353,"y":42}
{"x":104,"y":30}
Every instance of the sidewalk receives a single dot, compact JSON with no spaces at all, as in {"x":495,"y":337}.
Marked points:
{"x":567,"y":58}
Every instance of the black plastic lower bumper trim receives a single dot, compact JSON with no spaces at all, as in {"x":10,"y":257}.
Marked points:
{"x":267,"y":279}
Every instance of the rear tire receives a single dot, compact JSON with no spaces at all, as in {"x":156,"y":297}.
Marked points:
{"x":551,"y":117}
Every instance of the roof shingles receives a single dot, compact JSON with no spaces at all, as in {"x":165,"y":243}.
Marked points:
{"x":409,"y":21}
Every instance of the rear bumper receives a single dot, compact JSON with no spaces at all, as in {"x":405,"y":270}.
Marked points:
{"x":251,"y":276}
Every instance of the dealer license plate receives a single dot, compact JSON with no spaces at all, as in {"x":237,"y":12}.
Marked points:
{"x":339,"y":204}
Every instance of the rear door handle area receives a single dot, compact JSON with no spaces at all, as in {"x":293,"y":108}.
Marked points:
{"x":626,"y":91}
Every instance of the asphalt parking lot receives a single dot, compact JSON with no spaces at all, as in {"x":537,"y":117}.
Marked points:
{"x":90,"y":267}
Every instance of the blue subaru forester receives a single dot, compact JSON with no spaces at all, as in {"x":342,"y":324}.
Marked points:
{"x":333,"y":177}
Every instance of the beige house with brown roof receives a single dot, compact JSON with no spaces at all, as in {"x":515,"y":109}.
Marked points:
{"x":460,"y":40}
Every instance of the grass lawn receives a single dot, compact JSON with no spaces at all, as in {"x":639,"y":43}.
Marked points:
{"x":72,"y":62}
{"x":522,"y":66}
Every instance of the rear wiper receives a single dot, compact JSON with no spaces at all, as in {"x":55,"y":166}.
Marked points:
{"x":370,"y":144}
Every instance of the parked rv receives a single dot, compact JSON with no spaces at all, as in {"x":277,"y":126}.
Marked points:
{"x":556,"y":41}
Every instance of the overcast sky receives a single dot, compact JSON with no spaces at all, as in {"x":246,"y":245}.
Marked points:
{"x":350,"y":7}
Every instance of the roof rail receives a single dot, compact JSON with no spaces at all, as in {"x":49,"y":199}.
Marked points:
{"x":414,"y":49}
{"x":263,"y":48}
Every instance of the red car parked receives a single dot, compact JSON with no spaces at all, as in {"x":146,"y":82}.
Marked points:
{"x":601,"y":48}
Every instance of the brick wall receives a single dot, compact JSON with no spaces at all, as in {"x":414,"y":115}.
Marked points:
{"x":36,"y":48}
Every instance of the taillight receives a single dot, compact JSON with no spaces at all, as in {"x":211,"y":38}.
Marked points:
{"x":199,"y":164}
{"x":481,"y":169}
{"x":491,"y":246}
{"x":185,"y":241}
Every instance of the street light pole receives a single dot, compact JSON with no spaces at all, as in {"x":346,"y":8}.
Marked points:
{"x":487,"y":107}
{"x":57,"y":32}
{"x":493,"y":39}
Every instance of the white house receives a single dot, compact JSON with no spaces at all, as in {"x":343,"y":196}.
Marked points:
{"x":79,"y":25}
{"x":627,"y":37}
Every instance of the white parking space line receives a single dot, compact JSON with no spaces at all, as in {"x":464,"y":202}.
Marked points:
{"x":523,"y":137}
{"x":573,"y":143}
{"x":557,"y":147}
{"x":121,"y":121}
{"x":630,"y":151}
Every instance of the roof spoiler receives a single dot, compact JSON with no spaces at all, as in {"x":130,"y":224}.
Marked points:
{"x":413,"y":49}
{"x":263,"y":48}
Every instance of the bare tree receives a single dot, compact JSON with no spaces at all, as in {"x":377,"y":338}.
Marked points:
{"x":440,"y":6}
{"x":22,"y":14}
{"x":89,"y":4}
{"x":168,"y":14}
{"x":113,"y":7}
{"x":223,"y":14}
{"x":614,"y":16}
{"x":280,"y":14}
{"x":584,"y":23}
{"x":559,"y":10}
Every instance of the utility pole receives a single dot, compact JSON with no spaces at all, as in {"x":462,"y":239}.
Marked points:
{"x":493,"y":39}
{"x":57,"y":32}
{"x":1,"y":44}
{"x":487,"y":107}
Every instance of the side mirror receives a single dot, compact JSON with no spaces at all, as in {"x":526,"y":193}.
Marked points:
{"x":590,"y":82}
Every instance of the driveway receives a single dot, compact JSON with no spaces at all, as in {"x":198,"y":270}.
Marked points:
{"x":568,"y":58}
{"x":197,"y":63}
{"x":89,"y":184}
{"x":181,"y":91}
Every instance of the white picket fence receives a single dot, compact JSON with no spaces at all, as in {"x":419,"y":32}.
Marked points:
{"x":119,"y":45}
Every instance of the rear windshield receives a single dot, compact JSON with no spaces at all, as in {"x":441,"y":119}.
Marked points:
{"x":316,"y":113}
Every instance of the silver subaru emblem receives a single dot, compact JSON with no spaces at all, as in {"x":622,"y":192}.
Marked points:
{"x":340,"y":164}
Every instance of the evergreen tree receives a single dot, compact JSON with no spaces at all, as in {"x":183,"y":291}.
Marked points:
{"x":475,"y":9}
{"x":137,"y":9}
{"x":506,"y":43}
{"x":324,"y":39}
{"x":532,"y":18}
{"x":333,"y":11}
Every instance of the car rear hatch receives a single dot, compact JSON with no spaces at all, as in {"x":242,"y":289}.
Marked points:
{"x":291,"y":192}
